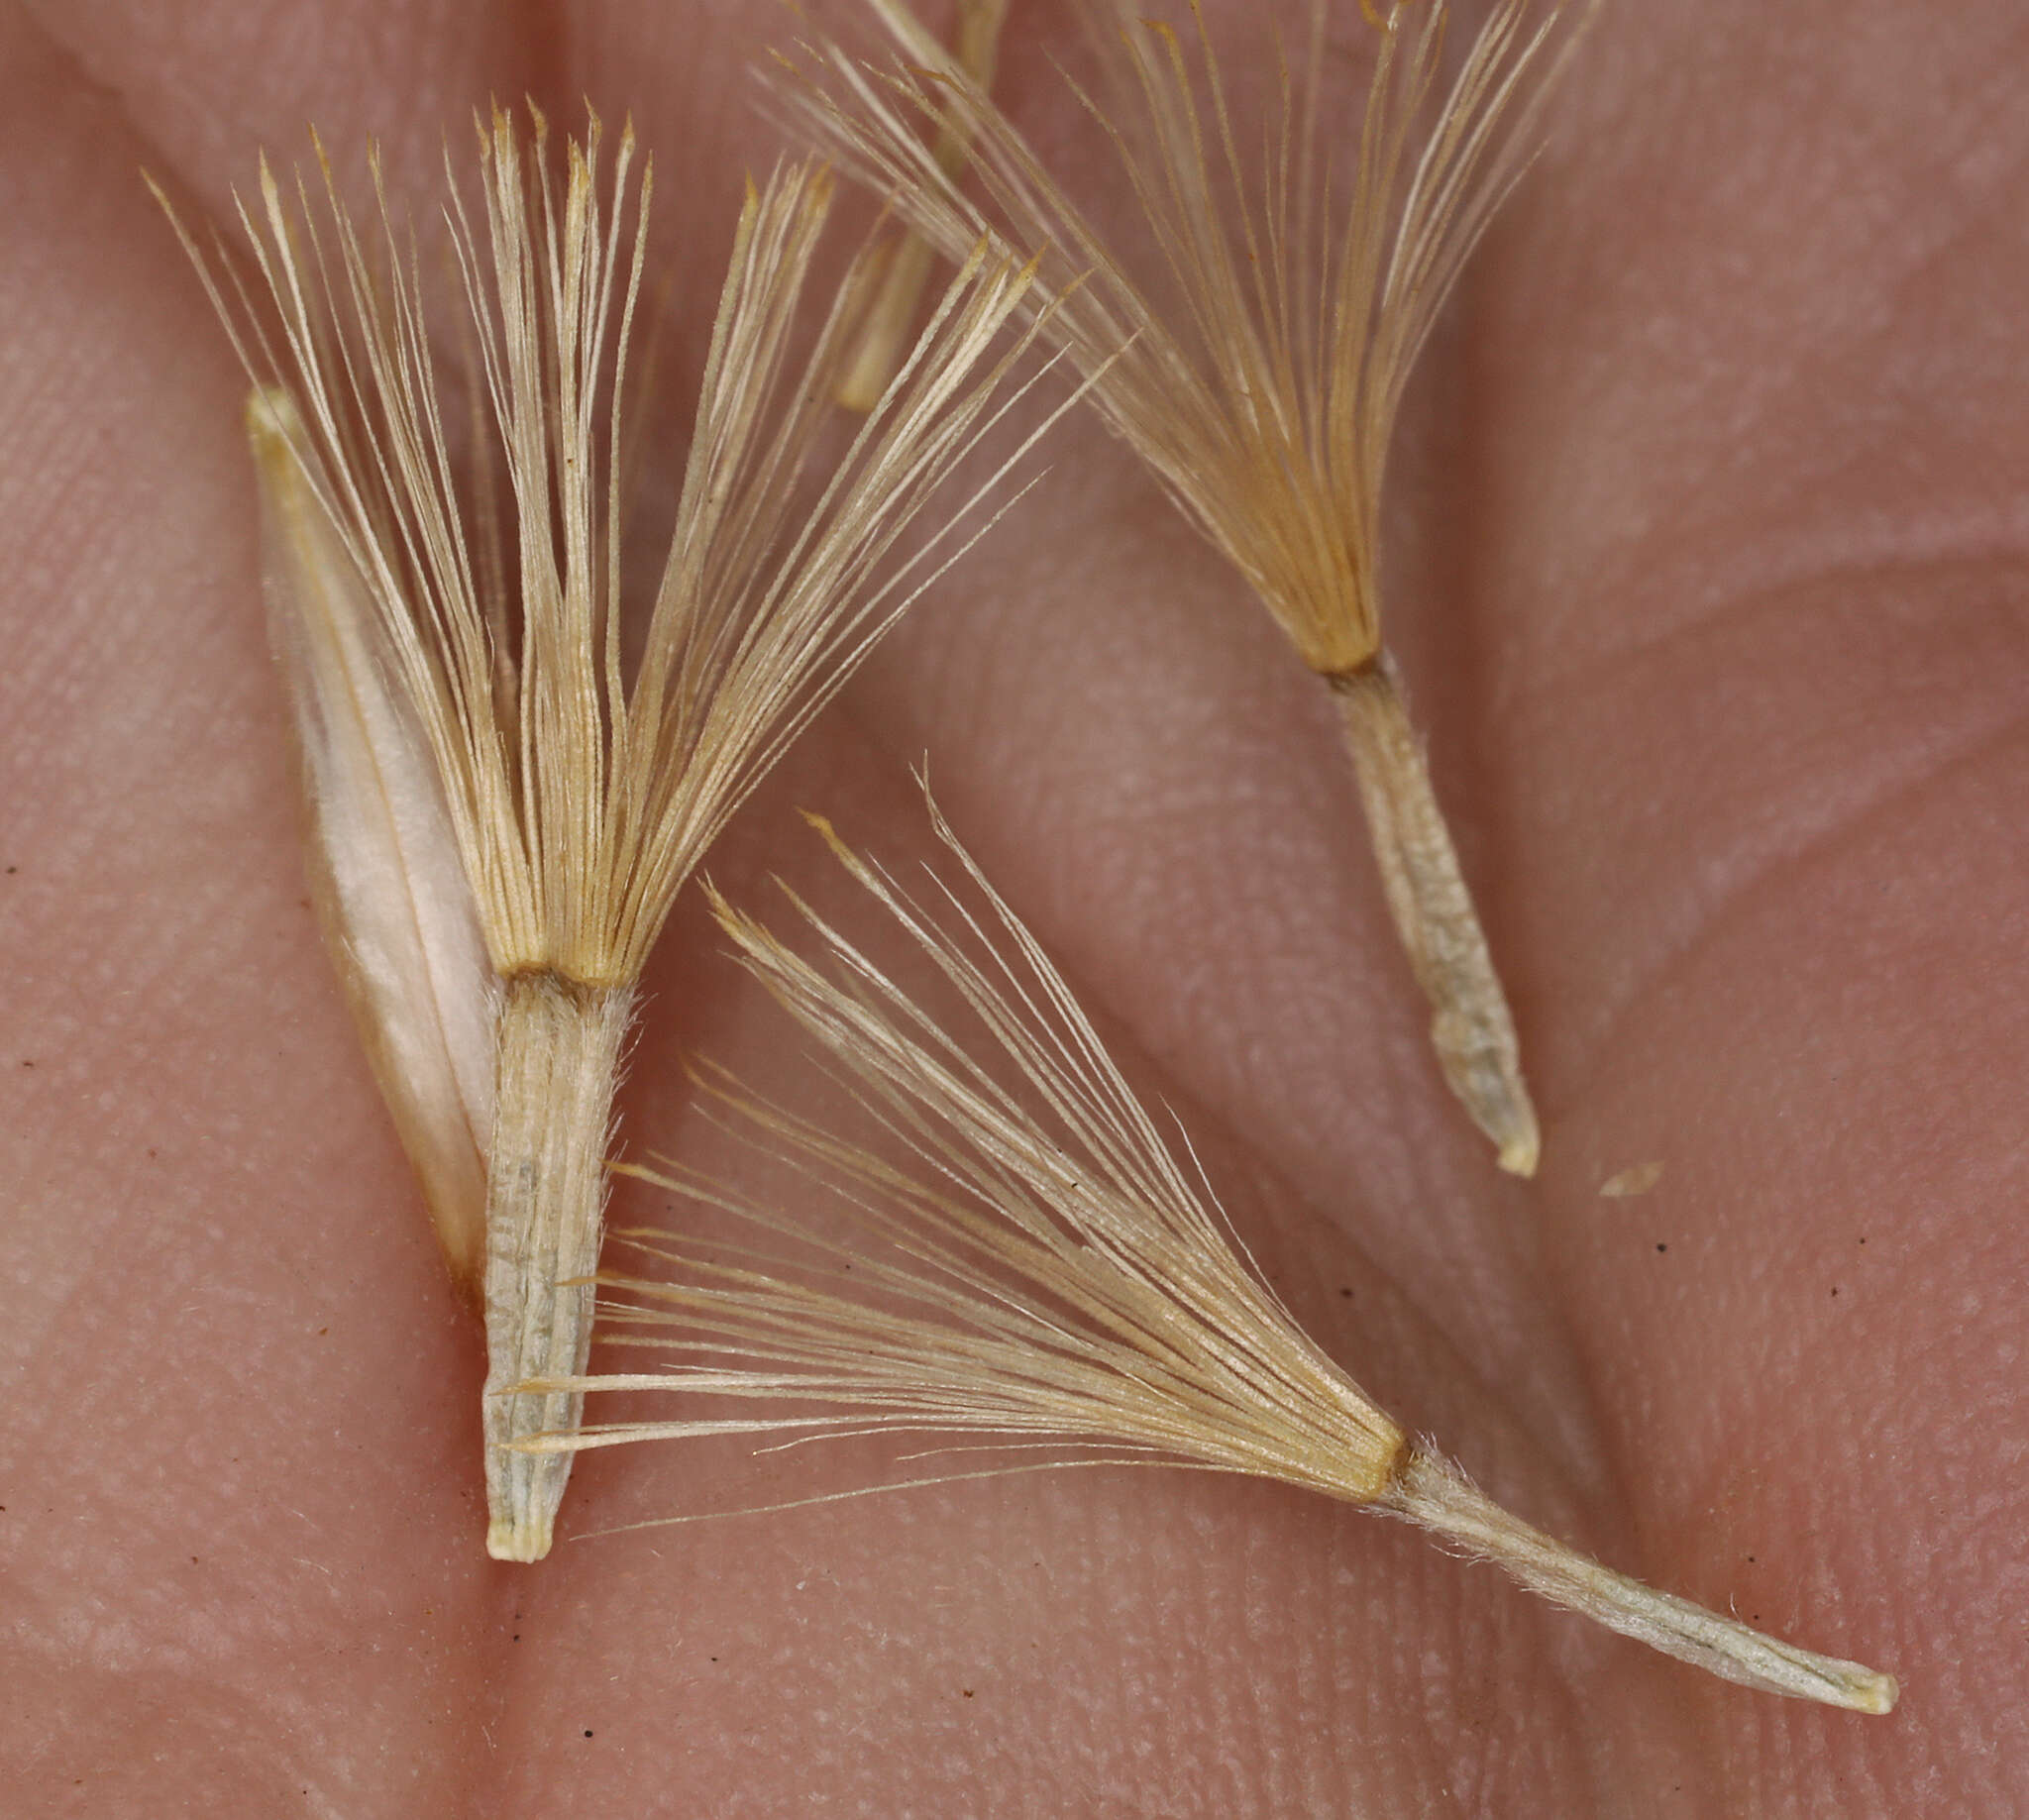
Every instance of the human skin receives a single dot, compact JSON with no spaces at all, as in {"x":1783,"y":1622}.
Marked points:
{"x":1707,"y":572}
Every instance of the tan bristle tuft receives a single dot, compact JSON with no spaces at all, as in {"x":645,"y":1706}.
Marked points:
{"x":1040,"y":1274}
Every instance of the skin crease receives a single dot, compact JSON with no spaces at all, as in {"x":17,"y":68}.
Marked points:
{"x":1707,"y":571}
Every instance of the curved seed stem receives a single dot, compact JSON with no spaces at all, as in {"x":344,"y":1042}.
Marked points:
{"x":1471,"y":1027}
{"x":1431,"y":1493}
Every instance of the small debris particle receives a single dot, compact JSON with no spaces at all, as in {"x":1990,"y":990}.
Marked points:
{"x":587,"y":1734}
{"x":1346,"y":1293}
{"x":1662,"y":1248}
{"x":966,"y":1691}
{"x":1631,"y":1181}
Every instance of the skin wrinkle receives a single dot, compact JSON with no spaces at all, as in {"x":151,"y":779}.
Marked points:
{"x":1750,"y":571}
{"x":1746,"y":598}
{"x":1887,"y":806}
{"x":1762,"y":853}
{"x":1763,"y":294}
{"x":159,"y":891}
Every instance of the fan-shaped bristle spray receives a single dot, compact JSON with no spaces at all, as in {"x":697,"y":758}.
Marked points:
{"x":1018,"y":1259}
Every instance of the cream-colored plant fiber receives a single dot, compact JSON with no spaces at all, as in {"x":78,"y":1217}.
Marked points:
{"x":1045,"y":1272}
{"x":1270,"y":329}
{"x":504,"y":799}
{"x":905,"y":271}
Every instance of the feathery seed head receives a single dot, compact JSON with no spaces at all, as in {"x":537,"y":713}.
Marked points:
{"x":1274,"y":331}
{"x":507,"y":778}
{"x":1044,"y":1271}
{"x":582,"y":787}
{"x":1043,"y":1277}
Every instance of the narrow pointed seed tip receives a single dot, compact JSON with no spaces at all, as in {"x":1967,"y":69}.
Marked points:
{"x":1521,"y":1152}
{"x":822,"y":826}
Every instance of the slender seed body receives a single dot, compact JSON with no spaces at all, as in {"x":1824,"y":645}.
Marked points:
{"x":1471,"y":1028}
{"x":1431,"y":1492}
{"x":559,"y":1049}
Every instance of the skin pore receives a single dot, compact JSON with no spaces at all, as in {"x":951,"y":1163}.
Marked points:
{"x":1707,"y":575}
